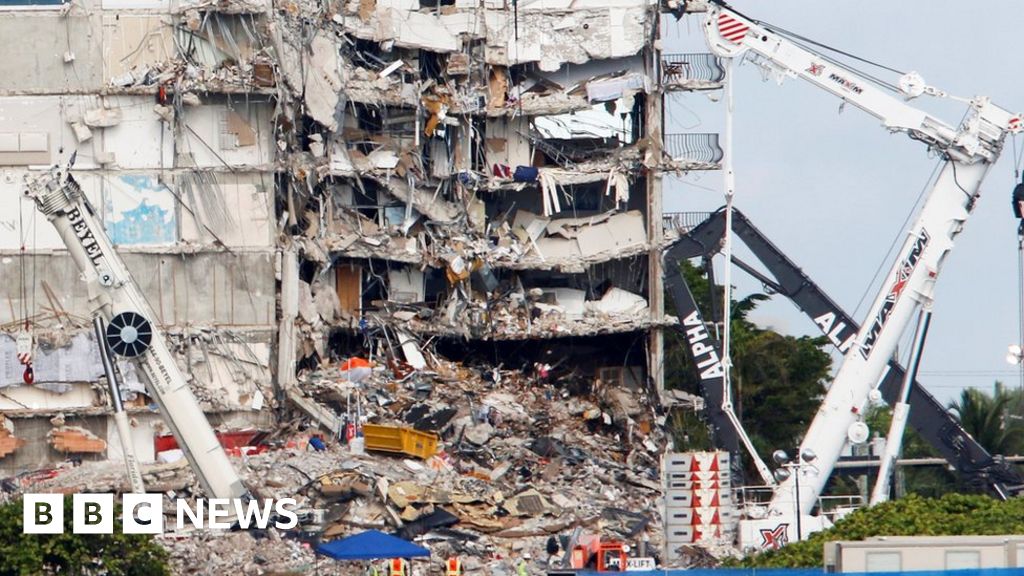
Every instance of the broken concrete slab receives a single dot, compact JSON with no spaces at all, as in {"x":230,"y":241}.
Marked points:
{"x":322,"y":80}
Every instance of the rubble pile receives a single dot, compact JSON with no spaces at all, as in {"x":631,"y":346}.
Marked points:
{"x":246,"y":553}
{"x":523,"y":460}
{"x":522,"y":463}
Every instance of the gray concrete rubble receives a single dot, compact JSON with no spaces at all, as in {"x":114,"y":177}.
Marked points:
{"x":521,"y":461}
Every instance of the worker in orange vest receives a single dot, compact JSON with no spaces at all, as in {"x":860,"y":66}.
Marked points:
{"x":453,"y":567}
{"x":398,"y":567}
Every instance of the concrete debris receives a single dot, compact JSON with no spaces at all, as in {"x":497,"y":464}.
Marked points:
{"x":76,"y":440}
{"x":82,"y":132}
{"x":516,"y":465}
{"x":8,"y":442}
{"x":102,"y":117}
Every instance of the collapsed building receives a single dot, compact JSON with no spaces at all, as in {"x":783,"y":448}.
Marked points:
{"x":427,"y":184}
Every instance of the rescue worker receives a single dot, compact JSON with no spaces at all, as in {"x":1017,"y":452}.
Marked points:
{"x":522,"y":568}
{"x":372,"y":570}
{"x":398,"y":567}
{"x":453,"y":566}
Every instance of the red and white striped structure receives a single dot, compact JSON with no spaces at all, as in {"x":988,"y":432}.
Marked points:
{"x":732,"y":29}
{"x":698,"y":506}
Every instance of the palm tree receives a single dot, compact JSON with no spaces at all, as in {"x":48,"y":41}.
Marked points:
{"x":992,"y":419}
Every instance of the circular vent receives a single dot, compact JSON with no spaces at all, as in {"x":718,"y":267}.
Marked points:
{"x":129,"y":334}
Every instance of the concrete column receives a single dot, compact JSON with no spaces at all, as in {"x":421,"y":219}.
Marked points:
{"x":655,"y":227}
{"x":289,"y":312}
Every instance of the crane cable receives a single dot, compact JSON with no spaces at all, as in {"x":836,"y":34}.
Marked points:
{"x":729,"y":186}
{"x":23,"y":289}
{"x":798,"y":38}
{"x":24,"y":342}
{"x":1020,"y":299}
{"x":1020,"y":266}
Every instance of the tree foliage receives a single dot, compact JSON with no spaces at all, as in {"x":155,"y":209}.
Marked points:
{"x":778,"y":381}
{"x":992,"y":419}
{"x":950,"y":515}
{"x":114,"y":554}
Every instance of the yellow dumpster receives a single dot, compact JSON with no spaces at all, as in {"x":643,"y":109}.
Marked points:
{"x":400,"y":439}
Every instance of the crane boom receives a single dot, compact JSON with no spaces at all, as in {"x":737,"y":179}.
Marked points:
{"x":114,"y":294}
{"x":967,"y":151}
{"x":979,"y":137}
{"x":929,"y":417}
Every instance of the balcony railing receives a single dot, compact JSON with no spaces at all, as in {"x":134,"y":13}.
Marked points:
{"x":694,"y":147}
{"x":683,"y":222}
{"x":692,"y":69}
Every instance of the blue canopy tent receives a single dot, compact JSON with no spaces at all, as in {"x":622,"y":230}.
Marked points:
{"x":371,"y":545}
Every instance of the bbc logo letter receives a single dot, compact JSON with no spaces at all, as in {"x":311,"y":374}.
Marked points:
{"x":143,"y":513}
{"x":43,"y":514}
{"x":92,"y":513}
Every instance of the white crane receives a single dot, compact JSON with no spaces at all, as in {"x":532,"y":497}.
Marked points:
{"x":968,"y":151}
{"x":116,"y":297}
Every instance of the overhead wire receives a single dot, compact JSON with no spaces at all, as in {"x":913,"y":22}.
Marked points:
{"x":792,"y":35}
{"x":895,"y":241}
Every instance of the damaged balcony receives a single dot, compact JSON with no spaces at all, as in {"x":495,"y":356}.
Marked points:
{"x":691,"y":71}
{"x":682,"y":222}
{"x":694,"y":151}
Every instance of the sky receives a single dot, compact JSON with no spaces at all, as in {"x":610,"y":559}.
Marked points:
{"x":833,"y":189}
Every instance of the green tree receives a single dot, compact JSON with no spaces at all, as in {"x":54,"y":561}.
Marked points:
{"x":114,"y":554}
{"x":993,"y":420}
{"x":778,"y":381}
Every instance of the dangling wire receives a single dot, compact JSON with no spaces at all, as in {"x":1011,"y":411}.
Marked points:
{"x":21,"y":265}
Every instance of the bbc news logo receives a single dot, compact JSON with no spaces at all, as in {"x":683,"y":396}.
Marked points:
{"x":144,"y":513}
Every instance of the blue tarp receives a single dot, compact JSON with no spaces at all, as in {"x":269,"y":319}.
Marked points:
{"x":371,"y":545}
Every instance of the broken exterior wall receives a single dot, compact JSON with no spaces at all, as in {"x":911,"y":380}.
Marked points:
{"x":450,"y":156}
{"x":167,"y":111}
